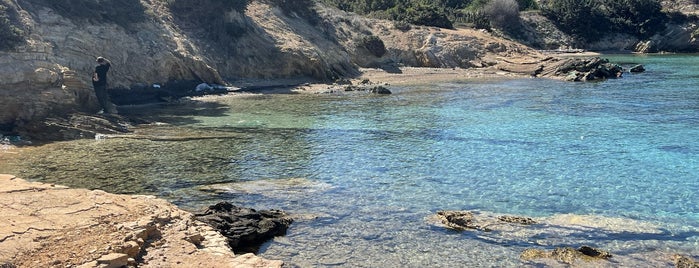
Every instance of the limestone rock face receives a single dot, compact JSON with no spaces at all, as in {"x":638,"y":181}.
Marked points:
{"x":674,"y":38}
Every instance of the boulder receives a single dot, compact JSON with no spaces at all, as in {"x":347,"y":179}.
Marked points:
{"x":245,"y":228}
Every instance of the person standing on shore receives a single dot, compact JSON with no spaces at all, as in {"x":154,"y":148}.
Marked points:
{"x":99,"y":82}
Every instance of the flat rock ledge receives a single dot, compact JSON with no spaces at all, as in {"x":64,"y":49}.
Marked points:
{"x":46,"y":225}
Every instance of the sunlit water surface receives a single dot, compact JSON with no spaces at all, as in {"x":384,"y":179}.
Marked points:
{"x":364,"y":173}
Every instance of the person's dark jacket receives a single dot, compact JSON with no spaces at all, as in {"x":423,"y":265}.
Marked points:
{"x":101,"y":71}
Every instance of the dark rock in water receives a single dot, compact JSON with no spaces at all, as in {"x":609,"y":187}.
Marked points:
{"x":380,"y":90}
{"x":567,"y":254}
{"x":685,"y":262}
{"x":589,"y":69}
{"x":245,"y":228}
{"x":638,"y":69}
{"x":517,"y":219}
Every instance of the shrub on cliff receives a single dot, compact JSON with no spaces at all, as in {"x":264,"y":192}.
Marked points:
{"x":221,"y":20}
{"x":592,"y":19}
{"x":10,"y":34}
{"x":503,"y":14}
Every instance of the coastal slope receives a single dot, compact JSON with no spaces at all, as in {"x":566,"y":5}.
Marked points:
{"x":153,"y":42}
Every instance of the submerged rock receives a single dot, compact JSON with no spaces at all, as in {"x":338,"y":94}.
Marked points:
{"x":685,"y":262}
{"x":245,"y":228}
{"x":567,"y":254}
{"x":466,"y":220}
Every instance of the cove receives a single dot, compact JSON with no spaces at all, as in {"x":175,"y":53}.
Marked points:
{"x":365,"y":173}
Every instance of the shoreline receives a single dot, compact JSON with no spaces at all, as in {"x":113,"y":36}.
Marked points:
{"x":48,"y":225}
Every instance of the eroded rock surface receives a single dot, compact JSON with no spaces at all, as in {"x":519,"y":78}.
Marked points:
{"x":46,"y":225}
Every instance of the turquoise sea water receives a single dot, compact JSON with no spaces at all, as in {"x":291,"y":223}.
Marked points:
{"x":365,"y":173}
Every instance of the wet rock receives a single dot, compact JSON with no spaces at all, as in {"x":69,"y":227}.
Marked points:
{"x":685,"y":262}
{"x":567,"y":254}
{"x":75,"y":126}
{"x":588,"y":69}
{"x":517,"y":219}
{"x":245,"y":228}
{"x":637,"y":69}
{"x":467,"y":220}
{"x":459,"y":220}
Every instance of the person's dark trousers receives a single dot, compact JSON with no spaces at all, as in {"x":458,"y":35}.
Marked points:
{"x":103,"y":99}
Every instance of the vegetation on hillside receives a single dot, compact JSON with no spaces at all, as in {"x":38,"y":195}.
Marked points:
{"x":591,"y":19}
{"x":10,"y":34}
{"x":586,"y":20}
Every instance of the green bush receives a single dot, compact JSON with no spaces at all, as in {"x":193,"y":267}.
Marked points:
{"x":211,"y":17}
{"x":503,"y":14}
{"x":10,"y":34}
{"x":591,"y":19}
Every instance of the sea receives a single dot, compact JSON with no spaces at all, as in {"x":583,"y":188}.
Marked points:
{"x":612,"y":165}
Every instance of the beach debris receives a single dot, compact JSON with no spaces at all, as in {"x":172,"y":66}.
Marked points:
{"x":567,"y":255}
{"x":245,"y":228}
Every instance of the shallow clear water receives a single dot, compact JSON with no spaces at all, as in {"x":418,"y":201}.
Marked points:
{"x":369,"y":171}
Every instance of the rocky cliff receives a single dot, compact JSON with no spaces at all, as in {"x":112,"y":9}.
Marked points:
{"x":49,"y":74}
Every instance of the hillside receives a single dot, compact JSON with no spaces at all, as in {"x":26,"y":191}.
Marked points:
{"x":179,"y":43}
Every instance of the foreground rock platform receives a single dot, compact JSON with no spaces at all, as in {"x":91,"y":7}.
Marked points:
{"x":46,"y":225}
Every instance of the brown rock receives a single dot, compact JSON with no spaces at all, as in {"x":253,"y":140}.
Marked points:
{"x":567,"y":254}
{"x":93,"y":228}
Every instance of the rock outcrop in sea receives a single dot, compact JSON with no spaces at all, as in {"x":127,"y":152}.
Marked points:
{"x":245,"y":228}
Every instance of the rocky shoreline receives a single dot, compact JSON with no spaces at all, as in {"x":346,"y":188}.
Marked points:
{"x":46,"y":225}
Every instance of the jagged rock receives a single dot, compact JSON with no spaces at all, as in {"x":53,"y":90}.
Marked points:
{"x":567,"y":254}
{"x":638,"y":69}
{"x":245,"y":228}
{"x":588,"y":69}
